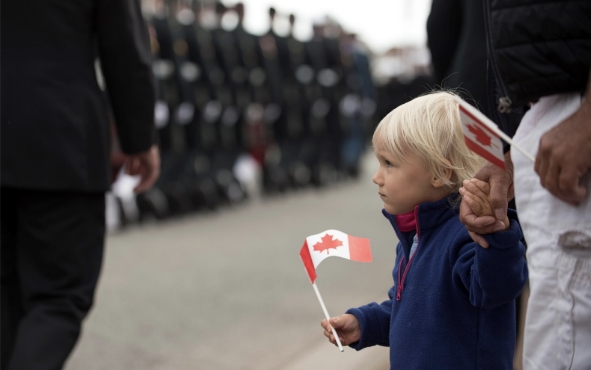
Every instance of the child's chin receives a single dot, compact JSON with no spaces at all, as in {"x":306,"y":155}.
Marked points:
{"x":389,"y":209}
{"x":395,"y":210}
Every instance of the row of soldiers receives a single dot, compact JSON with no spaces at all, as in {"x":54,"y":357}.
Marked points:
{"x":300,"y":109}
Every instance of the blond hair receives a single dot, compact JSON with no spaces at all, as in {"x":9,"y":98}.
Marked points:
{"x":429,"y":127}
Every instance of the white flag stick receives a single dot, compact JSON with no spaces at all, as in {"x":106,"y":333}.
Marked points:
{"x":492,"y":126}
{"x":334,"y":332}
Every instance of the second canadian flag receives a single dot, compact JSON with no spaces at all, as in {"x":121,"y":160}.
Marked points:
{"x":332,"y":243}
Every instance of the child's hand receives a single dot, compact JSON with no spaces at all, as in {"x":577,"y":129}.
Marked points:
{"x":476,"y":194}
{"x":347,"y":328}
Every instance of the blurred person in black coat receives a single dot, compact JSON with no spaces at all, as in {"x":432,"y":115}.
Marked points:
{"x":457,"y":41}
{"x":55,"y":169}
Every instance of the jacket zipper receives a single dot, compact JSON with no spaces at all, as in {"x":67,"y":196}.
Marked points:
{"x":403,"y":278}
{"x":399,"y":289}
{"x":505,"y":102}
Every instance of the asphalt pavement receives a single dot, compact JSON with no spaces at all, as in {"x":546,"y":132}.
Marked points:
{"x":227,"y":290}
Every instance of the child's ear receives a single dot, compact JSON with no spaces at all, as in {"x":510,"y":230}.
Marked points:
{"x":438,"y":182}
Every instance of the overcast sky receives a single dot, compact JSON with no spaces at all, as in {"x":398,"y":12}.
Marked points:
{"x":380,"y":23}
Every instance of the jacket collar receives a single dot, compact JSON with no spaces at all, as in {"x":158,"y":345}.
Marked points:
{"x":429,"y":215}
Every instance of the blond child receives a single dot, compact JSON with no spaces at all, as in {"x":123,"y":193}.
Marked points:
{"x":452,"y":305}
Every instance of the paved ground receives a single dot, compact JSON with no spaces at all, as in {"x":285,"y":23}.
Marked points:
{"x":228,"y":290}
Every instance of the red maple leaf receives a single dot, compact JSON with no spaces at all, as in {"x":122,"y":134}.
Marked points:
{"x":327,"y":243}
{"x":481,"y":135}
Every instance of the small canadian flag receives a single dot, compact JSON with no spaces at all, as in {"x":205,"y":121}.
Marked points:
{"x":480,"y":135}
{"x":332,"y":243}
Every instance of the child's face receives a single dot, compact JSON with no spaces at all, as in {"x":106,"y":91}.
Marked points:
{"x":404,"y":184}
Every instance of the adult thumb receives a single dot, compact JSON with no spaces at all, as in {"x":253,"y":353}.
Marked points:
{"x":498,"y":197}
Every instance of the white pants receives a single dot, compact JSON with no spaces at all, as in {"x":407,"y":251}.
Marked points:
{"x":558,"y":236}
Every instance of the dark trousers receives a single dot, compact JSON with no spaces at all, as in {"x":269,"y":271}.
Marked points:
{"x":52,"y":250}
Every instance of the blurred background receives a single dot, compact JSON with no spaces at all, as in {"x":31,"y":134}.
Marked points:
{"x":265,"y":111}
{"x":261,"y":98}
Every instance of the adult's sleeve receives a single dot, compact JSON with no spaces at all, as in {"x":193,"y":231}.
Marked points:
{"x":126,"y":61}
{"x":374,"y":320}
{"x":493,"y":276}
{"x":444,"y":27}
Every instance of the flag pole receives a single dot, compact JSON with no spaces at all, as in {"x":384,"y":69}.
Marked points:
{"x":334,"y":332}
{"x":492,"y":126}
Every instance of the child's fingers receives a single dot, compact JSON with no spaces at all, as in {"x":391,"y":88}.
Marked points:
{"x":475,"y":206}
{"x":337,"y":323}
{"x":475,"y":191}
{"x":477,"y":195}
{"x":482,"y":185}
{"x":327,"y":331}
{"x":472,"y":201}
{"x":331,"y":338}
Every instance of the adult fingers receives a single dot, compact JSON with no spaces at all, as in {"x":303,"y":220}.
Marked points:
{"x":549,"y":179}
{"x":145,"y":179}
{"x":479,"y":239}
{"x":485,"y":172}
{"x":132,"y":165}
{"x":149,"y":175}
{"x":561,"y":179}
{"x":569,"y":185}
{"x":492,"y":225}
{"x":499,"y":187}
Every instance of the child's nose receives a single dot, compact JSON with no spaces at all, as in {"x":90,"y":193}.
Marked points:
{"x":377,"y":179}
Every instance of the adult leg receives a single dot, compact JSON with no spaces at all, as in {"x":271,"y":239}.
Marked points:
{"x":12,"y":309}
{"x":558,"y":322}
{"x":59,"y":254}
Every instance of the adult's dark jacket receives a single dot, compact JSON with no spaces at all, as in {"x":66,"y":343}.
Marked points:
{"x":457,"y":41}
{"x":538,"y":48}
{"x":55,"y":128}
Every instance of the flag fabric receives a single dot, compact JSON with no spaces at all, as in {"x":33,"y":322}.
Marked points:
{"x":479,"y":137}
{"x":331,"y":243}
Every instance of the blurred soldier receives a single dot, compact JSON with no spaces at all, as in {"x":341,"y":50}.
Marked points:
{"x":55,"y":151}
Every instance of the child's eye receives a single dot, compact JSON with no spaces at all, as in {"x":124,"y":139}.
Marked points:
{"x":388,"y":163}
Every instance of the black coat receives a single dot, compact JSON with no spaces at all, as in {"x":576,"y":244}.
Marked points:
{"x":55,"y":127}
{"x":457,"y":41}
{"x":538,"y":48}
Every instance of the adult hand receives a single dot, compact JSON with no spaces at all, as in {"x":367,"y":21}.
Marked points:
{"x":146,"y":165}
{"x":347,"y":328}
{"x":564,"y":155}
{"x":501,"y":192}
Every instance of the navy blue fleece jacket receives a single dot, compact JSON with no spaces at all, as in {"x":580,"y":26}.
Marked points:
{"x":452,"y":305}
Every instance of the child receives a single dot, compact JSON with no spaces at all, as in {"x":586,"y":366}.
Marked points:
{"x":452,"y":305}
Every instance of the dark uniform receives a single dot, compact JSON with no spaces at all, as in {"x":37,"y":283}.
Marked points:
{"x":55,"y":169}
